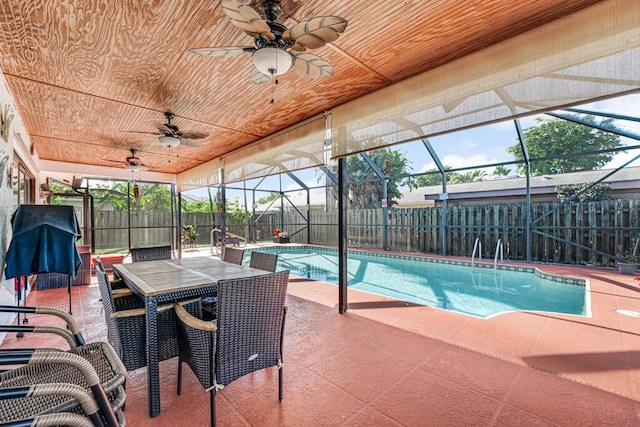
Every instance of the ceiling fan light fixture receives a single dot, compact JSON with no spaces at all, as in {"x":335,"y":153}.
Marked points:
{"x":272,"y":61}
{"x":168,"y":141}
{"x":133,"y":167}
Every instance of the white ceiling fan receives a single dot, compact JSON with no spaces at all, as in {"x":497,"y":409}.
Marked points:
{"x":278,"y":48}
{"x":133,"y":162}
{"x":170,"y":135}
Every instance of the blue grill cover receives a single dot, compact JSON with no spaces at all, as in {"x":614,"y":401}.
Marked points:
{"x":44,"y":240}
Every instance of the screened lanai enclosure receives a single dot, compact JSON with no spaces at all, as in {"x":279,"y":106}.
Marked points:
{"x":558,"y":187}
{"x":527,"y":148}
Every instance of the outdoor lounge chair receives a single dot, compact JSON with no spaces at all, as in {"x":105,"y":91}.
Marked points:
{"x":245,"y":337}
{"x":263,"y":261}
{"x":229,"y":240}
{"x":150,"y":253}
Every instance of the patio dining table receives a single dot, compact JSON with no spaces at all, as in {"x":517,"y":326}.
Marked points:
{"x":173,"y":280}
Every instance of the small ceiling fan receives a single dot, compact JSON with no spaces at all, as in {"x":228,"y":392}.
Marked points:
{"x":170,"y":135}
{"x":278,"y":48}
{"x":133,"y":163}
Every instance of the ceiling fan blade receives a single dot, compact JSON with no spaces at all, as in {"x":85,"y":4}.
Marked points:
{"x":254,"y":35}
{"x":298,"y":47}
{"x":161,"y":126}
{"x":257,"y":77}
{"x":192,"y":134}
{"x":146,"y":166}
{"x":189,"y":142}
{"x":245,"y":17}
{"x":222,"y":51}
{"x":316,"y":32}
{"x":311,"y":65}
{"x":137,"y":131}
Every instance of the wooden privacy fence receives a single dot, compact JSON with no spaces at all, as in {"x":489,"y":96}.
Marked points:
{"x":609,"y":227}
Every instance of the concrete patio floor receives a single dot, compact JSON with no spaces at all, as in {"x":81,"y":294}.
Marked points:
{"x":389,"y":363}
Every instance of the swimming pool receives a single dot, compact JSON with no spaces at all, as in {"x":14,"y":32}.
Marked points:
{"x":452,"y":285}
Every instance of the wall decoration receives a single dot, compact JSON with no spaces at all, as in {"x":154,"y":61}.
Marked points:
{"x":12,"y":178}
{"x":4,"y":164}
{"x":6,"y":117}
{"x":7,"y":206}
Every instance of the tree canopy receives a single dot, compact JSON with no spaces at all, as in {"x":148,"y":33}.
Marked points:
{"x":551,"y":139}
{"x":595,"y":193}
{"x":365,"y":187}
{"x":476,"y":175}
{"x":468,"y":176}
{"x":431,"y":177}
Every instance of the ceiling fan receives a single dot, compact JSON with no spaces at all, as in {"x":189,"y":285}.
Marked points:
{"x":171,"y":136}
{"x":133,"y":163}
{"x":278,"y":48}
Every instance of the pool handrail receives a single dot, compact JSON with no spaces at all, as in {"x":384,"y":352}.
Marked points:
{"x":500,"y":250}
{"x":477,"y":246}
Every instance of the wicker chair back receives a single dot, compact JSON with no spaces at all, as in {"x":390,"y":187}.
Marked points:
{"x":246,"y":337}
{"x":264,"y":261}
{"x":233,"y":255}
{"x":150,"y":253}
{"x":126,"y":325}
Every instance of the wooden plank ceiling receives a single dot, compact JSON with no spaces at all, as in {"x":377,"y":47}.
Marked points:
{"x":84,"y":73}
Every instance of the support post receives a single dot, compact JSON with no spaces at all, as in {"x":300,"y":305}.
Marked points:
{"x":342,"y":235}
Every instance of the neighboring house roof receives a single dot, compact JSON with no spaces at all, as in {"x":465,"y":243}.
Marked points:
{"x":625,"y":180}
{"x":194,"y":198}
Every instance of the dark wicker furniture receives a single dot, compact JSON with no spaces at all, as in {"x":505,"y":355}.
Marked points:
{"x":263,"y":261}
{"x":246,"y":336}
{"x":125,"y":316}
{"x":233,"y":255}
{"x":150,"y":253}
{"x":158,"y":282}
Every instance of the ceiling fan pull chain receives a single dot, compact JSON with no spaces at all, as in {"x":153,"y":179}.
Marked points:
{"x":274,"y":82}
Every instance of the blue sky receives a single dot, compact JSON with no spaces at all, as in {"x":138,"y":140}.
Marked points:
{"x":481,"y":145}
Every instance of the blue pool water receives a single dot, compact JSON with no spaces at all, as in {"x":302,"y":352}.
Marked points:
{"x":452,"y":285}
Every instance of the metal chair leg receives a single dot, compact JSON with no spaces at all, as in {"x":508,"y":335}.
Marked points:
{"x":179,"y":376}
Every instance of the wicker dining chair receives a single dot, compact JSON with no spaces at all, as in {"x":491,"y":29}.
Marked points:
{"x":94,"y":367}
{"x":116,"y":282}
{"x":72,"y":334}
{"x":233,"y":255}
{"x":125,"y":317}
{"x":245,"y":337}
{"x":35,"y":405}
{"x":263,"y":261}
{"x":53,"y":420}
{"x":151,"y":253}
{"x":119,"y":289}
{"x":103,"y":360}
